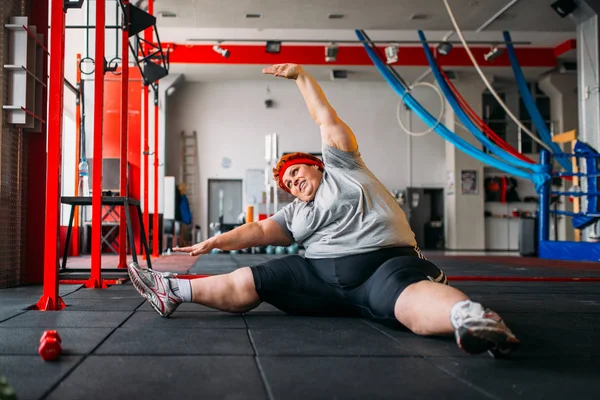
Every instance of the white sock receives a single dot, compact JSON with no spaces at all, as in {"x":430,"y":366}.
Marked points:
{"x":463,"y":310}
{"x":182,"y":288}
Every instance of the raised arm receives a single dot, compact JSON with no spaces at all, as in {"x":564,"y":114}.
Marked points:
{"x":253,"y":234}
{"x":334,"y":131}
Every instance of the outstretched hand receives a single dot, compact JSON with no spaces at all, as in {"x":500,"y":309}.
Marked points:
{"x":197,"y":249}
{"x":288,"y":71}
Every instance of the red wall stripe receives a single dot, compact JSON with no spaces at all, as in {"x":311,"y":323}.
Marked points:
{"x":565,"y":46}
{"x":349,"y":55}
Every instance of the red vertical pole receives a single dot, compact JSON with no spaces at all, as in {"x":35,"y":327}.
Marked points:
{"x":146,"y":155}
{"x":155,"y":230}
{"x":75,"y":232}
{"x":148,"y":38}
{"x":50,"y":299}
{"x":124,"y":134}
{"x":95,"y":280}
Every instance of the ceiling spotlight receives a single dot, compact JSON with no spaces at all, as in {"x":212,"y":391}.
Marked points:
{"x":331,"y":52}
{"x":273,"y":47}
{"x":391,"y":53}
{"x":221,"y":51}
{"x":494,"y":53}
{"x":564,"y":7}
{"x":444,"y":48}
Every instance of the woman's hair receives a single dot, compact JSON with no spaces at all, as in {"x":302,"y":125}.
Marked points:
{"x":290,"y":157}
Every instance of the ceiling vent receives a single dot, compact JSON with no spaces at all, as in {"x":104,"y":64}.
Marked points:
{"x":335,"y":16}
{"x":567,"y":67}
{"x":167,"y":14}
{"x":452,"y":75}
{"x":339,"y":74}
{"x":253,"y":16}
{"x":418,"y":17}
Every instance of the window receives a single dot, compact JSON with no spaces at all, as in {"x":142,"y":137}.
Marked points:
{"x":495,"y":116}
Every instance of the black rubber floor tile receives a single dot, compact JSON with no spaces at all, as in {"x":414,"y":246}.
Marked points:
{"x":162,"y":377}
{"x":31,"y":377}
{"x":310,"y":341}
{"x":18,"y":341}
{"x":106,"y":294}
{"x":174,"y":341}
{"x":528,"y":288}
{"x":540,"y":303}
{"x":302,"y":378}
{"x":82,"y":304}
{"x":9,"y":313}
{"x":274,"y":320}
{"x":187,"y":307}
{"x":527,"y":378}
{"x":265,"y":308}
{"x":426,"y":346}
{"x":179,"y":320}
{"x":67,"y":319}
{"x":559,"y":335}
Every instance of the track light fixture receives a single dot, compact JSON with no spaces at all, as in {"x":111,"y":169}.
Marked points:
{"x":331,"y":51}
{"x":444,"y":48}
{"x":273,"y":47}
{"x":564,"y":7}
{"x":494,"y":53}
{"x":218,"y":49}
{"x":391,"y":53}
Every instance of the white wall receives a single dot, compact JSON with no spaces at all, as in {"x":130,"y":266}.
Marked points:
{"x":231,"y":121}
{"x":465,"y":223}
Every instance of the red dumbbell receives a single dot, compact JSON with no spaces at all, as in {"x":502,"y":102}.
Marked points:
{"x":50,"y":346}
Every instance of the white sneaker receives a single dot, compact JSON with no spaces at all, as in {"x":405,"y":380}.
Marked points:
{"x":155,"y":287}
{"x":485,"y":332}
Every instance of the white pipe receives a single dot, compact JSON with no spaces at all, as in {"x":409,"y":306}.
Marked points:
{"x":495,"y":16}
{"x":487,"y":83}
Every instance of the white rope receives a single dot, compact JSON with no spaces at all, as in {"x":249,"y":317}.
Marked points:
{"x":487,"y":83}
{"x":439,"y":118}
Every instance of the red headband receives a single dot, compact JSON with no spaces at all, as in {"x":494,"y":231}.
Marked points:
{"x":295,"y":161}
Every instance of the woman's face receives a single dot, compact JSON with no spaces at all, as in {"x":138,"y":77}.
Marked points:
{"x":303,"y":180}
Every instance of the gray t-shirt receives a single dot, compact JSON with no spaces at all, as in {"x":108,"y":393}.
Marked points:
{"x":352,"y":212}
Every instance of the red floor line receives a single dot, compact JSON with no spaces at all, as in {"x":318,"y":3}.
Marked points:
{"x":524,"y":278}
{"x":484,"y":278}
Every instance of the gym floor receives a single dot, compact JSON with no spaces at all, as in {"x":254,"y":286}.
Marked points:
{"x":116,"y":347}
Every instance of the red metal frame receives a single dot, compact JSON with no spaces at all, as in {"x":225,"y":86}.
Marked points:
{"x":124,"y":180}
{"x":50,"y":299}
{"x":147,"y":37}
{"x":75,"y":231}
{"x":155,"y":226}
{"x":95,"y":280}
{"x":146,"y":154}
{"x":85,"y":281}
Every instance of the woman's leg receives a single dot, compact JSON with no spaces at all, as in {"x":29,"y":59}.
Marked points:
{"x":234,"y":292}
{"x":401,"y":290}
{"x":424,"y":307}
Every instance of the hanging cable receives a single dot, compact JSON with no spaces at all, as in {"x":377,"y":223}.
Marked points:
{"x":528,"y":100}
{"x":461,"y":115}
{"x":439,"y":118}
{"x":487,"y":82}
{"x":538,"y":178}
{"x":482,"y":125}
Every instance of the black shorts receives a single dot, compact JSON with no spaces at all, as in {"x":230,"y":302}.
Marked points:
{"x":365,"y":285}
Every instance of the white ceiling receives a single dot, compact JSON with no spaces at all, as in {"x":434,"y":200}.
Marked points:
{"x":532,"y":21}
{"x":524,"y":15}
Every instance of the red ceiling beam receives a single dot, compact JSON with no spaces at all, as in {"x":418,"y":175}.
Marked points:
{"x":349,"y":55}
{"x":564,"y":47}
